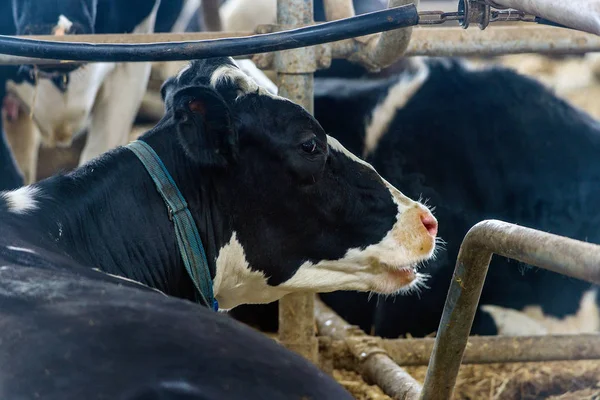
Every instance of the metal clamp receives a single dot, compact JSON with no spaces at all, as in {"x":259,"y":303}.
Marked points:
{"x":475,"y":11}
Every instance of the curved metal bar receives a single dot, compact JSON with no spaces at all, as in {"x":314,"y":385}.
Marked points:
{"x":390,"y":46}
{"x":380,"y":21}
{"x":555,"y":253}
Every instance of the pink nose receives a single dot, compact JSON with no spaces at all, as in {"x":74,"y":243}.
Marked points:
{"x":430,"y":223}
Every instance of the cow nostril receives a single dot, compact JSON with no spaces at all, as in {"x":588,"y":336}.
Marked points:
{"x":430,"y":223}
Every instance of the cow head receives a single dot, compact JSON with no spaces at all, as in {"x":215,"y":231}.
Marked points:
{"x":300,"y":213}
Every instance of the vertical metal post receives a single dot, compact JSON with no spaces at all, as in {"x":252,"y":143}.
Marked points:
{"x":295,"y":70}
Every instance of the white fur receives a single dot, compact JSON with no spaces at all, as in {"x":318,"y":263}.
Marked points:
{"x":246,"y":15}
{"x":250,"y":69}
{"x":236,"y":283}
{"x":64,"y":23}
{"x":397,"y":97}
{"x":22,"y":249}
{"x":21,"y":200}
{"x":246,"y":85}
{"x":335,"y":144}
{"x":532,"y":320}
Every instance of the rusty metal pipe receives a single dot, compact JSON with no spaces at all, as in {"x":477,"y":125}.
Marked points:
{"x":559,"y":254}
{"x":387,"y":47}
{"x":374,"y":364}
{"x":488,"y":349}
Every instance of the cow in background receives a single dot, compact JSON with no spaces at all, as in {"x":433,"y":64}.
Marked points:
{"x":102,"y":98}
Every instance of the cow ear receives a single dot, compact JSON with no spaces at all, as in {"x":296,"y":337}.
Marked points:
{"x":204,"y":126}
{"x":166,"y":91}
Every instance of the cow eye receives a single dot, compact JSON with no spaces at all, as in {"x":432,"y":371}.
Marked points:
{"x":309,"y":146}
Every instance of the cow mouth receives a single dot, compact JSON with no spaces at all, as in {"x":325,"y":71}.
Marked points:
{"x":395,"y":279}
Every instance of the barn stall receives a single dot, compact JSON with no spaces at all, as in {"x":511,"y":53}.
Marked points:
{"x":546,"y":366}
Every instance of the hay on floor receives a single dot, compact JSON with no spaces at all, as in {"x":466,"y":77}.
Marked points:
{"x":548,"y":380}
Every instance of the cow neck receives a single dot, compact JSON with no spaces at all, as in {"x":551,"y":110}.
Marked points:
{"x":189,"y":242}
{"x":109,"y":215}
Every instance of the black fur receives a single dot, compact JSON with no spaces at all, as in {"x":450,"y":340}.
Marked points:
{"x":69,"y":335}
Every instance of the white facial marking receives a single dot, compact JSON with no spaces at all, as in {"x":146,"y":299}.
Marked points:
{"x":532,"y":320}
{"x":246,"y":85}
{"x":21,"y":249}
{"x":397,"y":97}
{"x":22,"y":200}
{"x":337,"y":146}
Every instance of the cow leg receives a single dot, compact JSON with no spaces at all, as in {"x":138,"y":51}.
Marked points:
{"x":23,"y":137}
{"x":115,"y":109}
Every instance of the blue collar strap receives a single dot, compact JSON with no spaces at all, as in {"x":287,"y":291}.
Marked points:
{"x":188,"y":238}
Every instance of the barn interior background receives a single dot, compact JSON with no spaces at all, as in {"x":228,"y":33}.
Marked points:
{"x":558,"y":366}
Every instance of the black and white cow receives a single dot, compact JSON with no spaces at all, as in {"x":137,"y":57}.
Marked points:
{"x":280,"y":206}
{"x":100,"y":97}
{"x":499,"y":145}
{"x":70,"y":332}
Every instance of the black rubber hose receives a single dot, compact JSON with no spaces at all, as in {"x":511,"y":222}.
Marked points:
{"x":365,"y":24}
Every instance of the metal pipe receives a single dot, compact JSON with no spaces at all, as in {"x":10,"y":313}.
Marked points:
{"x":425,"y":41}
{"x":365,"y":24}
{"x":576,"y":14}
{"x":295,"y":80}
{"x":374,"y":364}
{"x":387,"y":47}
{"x":488,"y":349}
{"x":555,"y":253}
{"x":6,"y":59}
{"x":494,"y":41}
